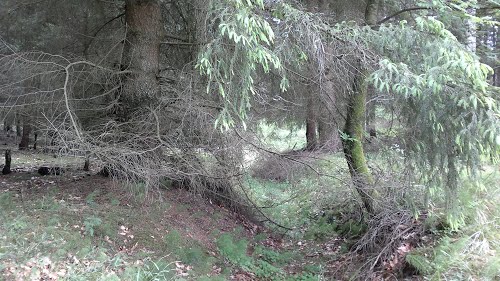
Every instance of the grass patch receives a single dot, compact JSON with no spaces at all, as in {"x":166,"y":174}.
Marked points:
{"x":86,"y":239}
{"x":189,"y":252}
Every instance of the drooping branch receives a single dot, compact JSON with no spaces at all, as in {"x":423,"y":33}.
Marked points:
{"x":420,"y":9}
{"x":401,"y":12}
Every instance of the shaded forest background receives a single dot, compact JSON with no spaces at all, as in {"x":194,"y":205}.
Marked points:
{"x":304,"y":117}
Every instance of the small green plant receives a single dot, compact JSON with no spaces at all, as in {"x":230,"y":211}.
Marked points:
{"x":194,"y":255}
{"x":18,"y":224}
{"x":150,"y":271}
{"x":113,"y":200}
{"x":117,"y":261}
{"x":138,"y":191}
{"x":420,"y":263}
{"x":352,"y":228}
{"x":90,"y":199}
{"x":173,"y":239}
{"x":322,"y":229}
{"x":48,"y":203}
{"x":492,"y":269}
{"x":260,"y":237}
{"x":188,"y":251}
{"x":272,"y":256}
{"x":265,"y":270}
{"x":235,"y":251}
{"x":91,"y":223}
{"x":305,"y":276}
{"x":313,"y":269}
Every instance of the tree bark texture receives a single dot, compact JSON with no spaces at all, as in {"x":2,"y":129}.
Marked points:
{"x":25,"y":139}
{"x":35,"y":141}
{"x":328,"y":135}
{"x":371,"y":12}
{"x":18,"y":126}
{"x":353,"y":145}
{"x":312,"y":95}
{"x":141,"y":54}
{"x":311,"y":123}
{"x":354,"y":126}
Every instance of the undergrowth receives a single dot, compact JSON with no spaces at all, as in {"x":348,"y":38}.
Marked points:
{"x":468,"y":248}
{"x":263,"y":263}
{"x":459,"y":243}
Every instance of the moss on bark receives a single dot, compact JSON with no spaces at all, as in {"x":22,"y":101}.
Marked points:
{"x":354,"y":126}
{"x":353,"y":144}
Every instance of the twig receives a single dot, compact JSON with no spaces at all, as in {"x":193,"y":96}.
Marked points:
{"x":387,"y":245}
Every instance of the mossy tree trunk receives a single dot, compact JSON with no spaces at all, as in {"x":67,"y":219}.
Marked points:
{"x":353,"y":144}
{"x":354,"y":126}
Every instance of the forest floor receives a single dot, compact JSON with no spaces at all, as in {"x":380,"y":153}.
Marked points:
{"x":82,"y":226}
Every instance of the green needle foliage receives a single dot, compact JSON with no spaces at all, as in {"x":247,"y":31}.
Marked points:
{"x":451,"y":111}
{"x":230,"y":62}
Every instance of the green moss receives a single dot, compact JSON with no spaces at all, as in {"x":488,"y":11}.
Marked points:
{"x":353,"y":143}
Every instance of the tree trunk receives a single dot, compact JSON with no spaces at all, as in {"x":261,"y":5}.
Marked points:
{"x":35,"y":141}
{"x":311,"y":114}
{"x":311,"y":124}
{"x":353,"y":144}
{"x":371,"y":12}
{"x":141,"y":55}
{"x":25,"y":139}
{"x":323,"y":133}
{"x":328,"y":135}
{"x":7,"y":127}
{"x":18,"y":127}
{"x":8,"y":159}
{"x":354,"y":127}
{"x":86,"y":165}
